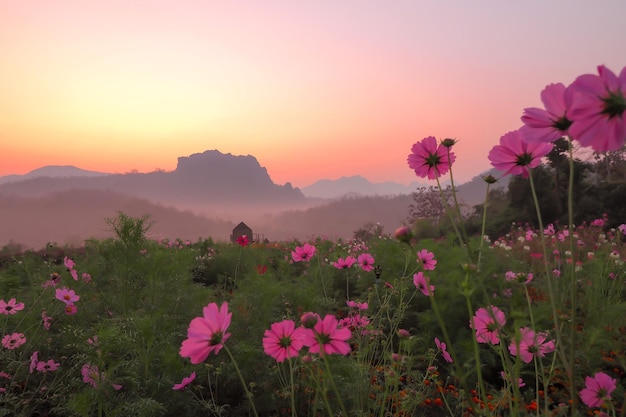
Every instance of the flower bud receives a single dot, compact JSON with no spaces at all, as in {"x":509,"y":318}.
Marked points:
{"x":448,"y":143}
{"x":403,"y":234}
{"x":490,"y":179}
{"x":309,"y":320}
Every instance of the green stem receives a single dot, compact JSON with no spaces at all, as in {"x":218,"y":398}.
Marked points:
{"x":479,"y":373}
{"x":243,"y":382}
{"x":454,"y":226}
{"x":555,"y":316}
{"x":573,"y":283}
{"x":456,"y":204}
{"x":293,"y":390}
{"x":332,"y":382}
{"x":483,"y":228}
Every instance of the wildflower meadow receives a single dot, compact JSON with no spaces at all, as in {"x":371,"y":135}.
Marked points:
{"x":531,"y":322}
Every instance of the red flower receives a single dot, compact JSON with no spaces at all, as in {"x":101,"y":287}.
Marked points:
{"x":243,"y":240}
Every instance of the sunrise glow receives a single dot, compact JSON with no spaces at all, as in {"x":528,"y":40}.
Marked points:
{"x":311,"y":89}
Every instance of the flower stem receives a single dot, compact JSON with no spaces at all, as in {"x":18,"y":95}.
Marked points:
{"x":243,"y":382}
{"x":555,"y":316}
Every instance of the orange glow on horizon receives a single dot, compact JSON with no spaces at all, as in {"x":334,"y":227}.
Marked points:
{"x":312,"y":90}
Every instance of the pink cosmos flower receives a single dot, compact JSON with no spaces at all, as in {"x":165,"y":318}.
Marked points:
{"x":550,"y":124}
{"x":71,"y":309}
{"x":328,"y":336}
{"x":357,"y":305}
{"x":13,"y":341}
{"x":531,"y":345}
{"x":283,"y":340}
{"x":91,"y":374}
{"x":598,"y":103}
{"x":48,"y":366}
{"x":10,"y":307}
{"x":69,"y":263}
{"x":243,"y":240}
{"x":344,"y":263}
{"x":622,"y":228}
{"x":34,"y":359}
{"x":303,"y":253}
{"x":520,"y":381}
{"x":54,"y":280}
{"x":515,"y":156}
{"x":186,"y":381}
{"x":86,"y":277}
{"x":366,"y":262}
{"x":206,"y":334}
{"x":356,"y":322}
{"x":487,"y":322}
{"x":422,"y":283}
{"x":68,"y":296}
{"x":403,"y":333}
{"x":597,"y":389}
{"x":74,"y":274}
{"x":427,"y":259}
{"x":430,"y":160}
{"x":442,"y":348}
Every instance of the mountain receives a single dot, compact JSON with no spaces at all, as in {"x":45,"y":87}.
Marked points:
{"x":52,"y":171}
{"x":209,"y":183}
{"x":356,"y":186}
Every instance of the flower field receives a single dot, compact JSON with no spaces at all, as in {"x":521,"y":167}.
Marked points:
{"x":532,"y":322}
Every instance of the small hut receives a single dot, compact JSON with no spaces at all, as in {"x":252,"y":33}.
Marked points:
{"x":242,"y":229}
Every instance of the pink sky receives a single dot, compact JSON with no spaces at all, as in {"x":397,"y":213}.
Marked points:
{"x":317,"y":89}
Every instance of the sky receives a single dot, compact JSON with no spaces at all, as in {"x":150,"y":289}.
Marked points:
{"x":312,"y":89}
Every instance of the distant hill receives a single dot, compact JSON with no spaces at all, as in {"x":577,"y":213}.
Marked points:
{"x":471,"y":192}
{"x":355,"y":186}
{"x":338,"y":218}
{"x":70,"y":217}
{"x":211,"y":183}
{"x":52,"y":171}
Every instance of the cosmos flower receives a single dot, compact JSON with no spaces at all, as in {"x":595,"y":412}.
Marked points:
{"x":366,"y":262}
{"x":66,"y":295}
{"x":597,"y":389}
{"x":422,"y":283}
{"x":206,"y":334}
{"x":243,"y":240}
{"x":186,"y":381}
{"x":327,"y":336}
{"x":10,"y":307}
{"x":344,"y":263}
{"x":531,"y":345}
{"x":430,"y":160}
{"x":283,"y":340}
{"x":515,"y":156}
{"x":443,"y":349}
{"x":487,"y":322}
{"x":303,"y":253}
{"x":598,"y":103}
{"x":551,"y":123}
{"x":427,"y":259}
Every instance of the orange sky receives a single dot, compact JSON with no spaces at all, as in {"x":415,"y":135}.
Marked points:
{"x":312,"y":89}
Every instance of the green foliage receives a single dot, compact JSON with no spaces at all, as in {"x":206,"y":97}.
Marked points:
{"x":133,"y":316}
{"x":130,"y":231}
